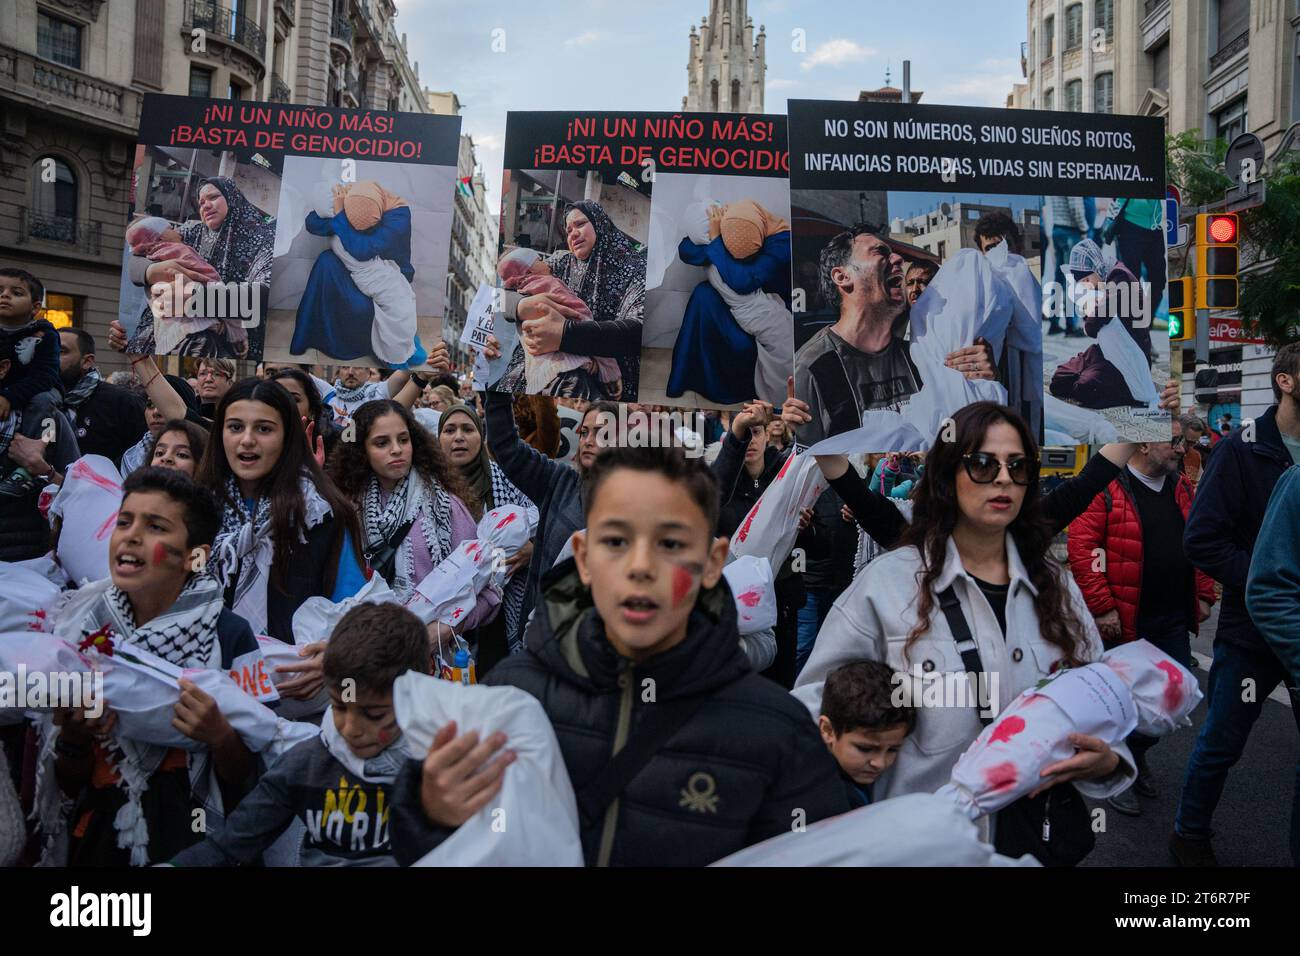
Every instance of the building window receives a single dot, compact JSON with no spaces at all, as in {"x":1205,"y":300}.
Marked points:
{"x":1074,"y":96}
{"x":54,"y":200}
{"x":1231,"y":121}
{"x":1233,"y":20}
{"x":62,"y":311}
{"x":58,"y":40}
{"x":1103,"y":93}
{"x":1160,"y":67}
{"x":1104,"y":17}
{"x":1074,"y":27}
{"x":1049,"y":37}
{"x":236,"y":91}
{"x":1049,"y":99}
{"x":200,"y":81}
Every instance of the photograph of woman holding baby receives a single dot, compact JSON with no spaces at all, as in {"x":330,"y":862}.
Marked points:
{"x":581,"y":314}
{"x":737,"y":333}
{"x":359,"y":299}
{"x":232,"y":241}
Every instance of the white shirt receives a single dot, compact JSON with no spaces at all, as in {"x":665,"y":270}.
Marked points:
{"x":1155,"y":484}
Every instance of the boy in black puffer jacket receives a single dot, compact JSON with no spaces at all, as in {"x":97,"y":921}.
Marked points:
{"x":678,"y":754}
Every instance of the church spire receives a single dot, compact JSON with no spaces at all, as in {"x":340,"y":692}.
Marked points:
{"x":726,"y":64}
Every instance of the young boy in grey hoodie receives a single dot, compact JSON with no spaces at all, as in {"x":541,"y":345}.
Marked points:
{"x":338,"y":784}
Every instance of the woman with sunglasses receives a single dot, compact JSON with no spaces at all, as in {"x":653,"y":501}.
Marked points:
{"x":975,"y":557}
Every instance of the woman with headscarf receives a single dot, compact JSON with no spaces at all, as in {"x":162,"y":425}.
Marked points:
{"x":747,"y":254}
{"x":460,"y":432}
{"x":606,"y":268}
{"x":358,"y":300}
{"x":234,"y":237}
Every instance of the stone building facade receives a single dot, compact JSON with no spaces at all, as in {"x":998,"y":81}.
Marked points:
{"x":72,"y":77}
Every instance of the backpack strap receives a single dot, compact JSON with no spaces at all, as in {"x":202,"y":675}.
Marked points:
{"x":966,"y":646}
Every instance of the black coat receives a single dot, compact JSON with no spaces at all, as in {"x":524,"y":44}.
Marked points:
{"x":1226,"y":514}
{"x":750,"y":746}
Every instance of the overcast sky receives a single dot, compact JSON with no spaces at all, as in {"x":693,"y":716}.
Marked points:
{"x":608,"y":55}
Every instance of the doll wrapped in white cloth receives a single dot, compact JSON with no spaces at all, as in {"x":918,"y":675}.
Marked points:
{"x":917,"y":829}
{"x":533,"y":821}
{"x":1134,"y":686}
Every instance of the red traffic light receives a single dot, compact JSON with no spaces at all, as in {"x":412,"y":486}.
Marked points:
{"x":1223,"y":228}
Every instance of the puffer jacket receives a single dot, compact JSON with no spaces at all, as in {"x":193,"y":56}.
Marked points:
{"x":1112,"y":522}
{"x":746,"y":765}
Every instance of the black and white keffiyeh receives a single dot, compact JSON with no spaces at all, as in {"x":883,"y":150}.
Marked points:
{"x":504,"y":492}
{"x":134,"y":457}
{"x":74,"y":396}
{"x":414,"y":497}
{"x":185,"y":635}
{"x":243,"y":551}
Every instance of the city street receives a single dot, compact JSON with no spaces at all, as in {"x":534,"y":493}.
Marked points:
{"x":1253,"y":818}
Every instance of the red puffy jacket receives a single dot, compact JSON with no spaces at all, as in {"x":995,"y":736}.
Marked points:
{"x":1117,"y":527}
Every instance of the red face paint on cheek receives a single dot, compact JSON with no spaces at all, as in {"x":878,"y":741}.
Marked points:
{"x":159,"y":552}
{"x":682,"y":581}
{"x":385,"y":736}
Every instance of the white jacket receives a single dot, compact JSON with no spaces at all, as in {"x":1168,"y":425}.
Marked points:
{"x":871,"y":621}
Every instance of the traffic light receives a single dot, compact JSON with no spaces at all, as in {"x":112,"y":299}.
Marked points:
{"x":1217,"y":260}
{"x":1182,"y":317}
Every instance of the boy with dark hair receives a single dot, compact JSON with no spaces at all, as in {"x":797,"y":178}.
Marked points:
{"x":339,"y":783}
{"x":30,"y":393}
{"x":678,"y":753}
{"x":157,"y":598}
{"x":861,"y":725}
{"x":994,"y":227}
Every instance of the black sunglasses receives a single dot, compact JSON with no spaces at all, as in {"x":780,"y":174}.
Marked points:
{"x":983,"y":468}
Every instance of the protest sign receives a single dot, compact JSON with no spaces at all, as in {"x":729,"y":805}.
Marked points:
{"x":939,"y":252}
{"x":288,"y":233}
{"x":578,"y":227}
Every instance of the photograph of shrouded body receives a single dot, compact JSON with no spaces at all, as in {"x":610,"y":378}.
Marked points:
{"x":198,"y":254}
{"x":572,"y":269}
{"x":718,"y":327}
{"x":1105,"y":319}
{"x":915,"y":310}
{"x":360,"y":260}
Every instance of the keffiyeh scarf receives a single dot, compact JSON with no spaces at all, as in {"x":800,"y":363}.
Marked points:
{"x":243,"y":551}
{"x":73,"y":398}
{"x":134,"y":457}
{"x":413,"y":498}
{"x":185,"y":635}
{"x":504,"y":492}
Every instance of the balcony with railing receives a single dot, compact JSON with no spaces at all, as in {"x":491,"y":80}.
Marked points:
{"x":1229,"y":50}
{"x":66,"y":230}
{"x":280,"y":92}
{"x":341,"y":31}
{"x":226,"y":26}
{"x":52,"y":88}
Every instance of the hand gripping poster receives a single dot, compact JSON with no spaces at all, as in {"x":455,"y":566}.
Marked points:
{"x":288,"y":233}
{"x":947,"y":255}
{"x":644,"y":257}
